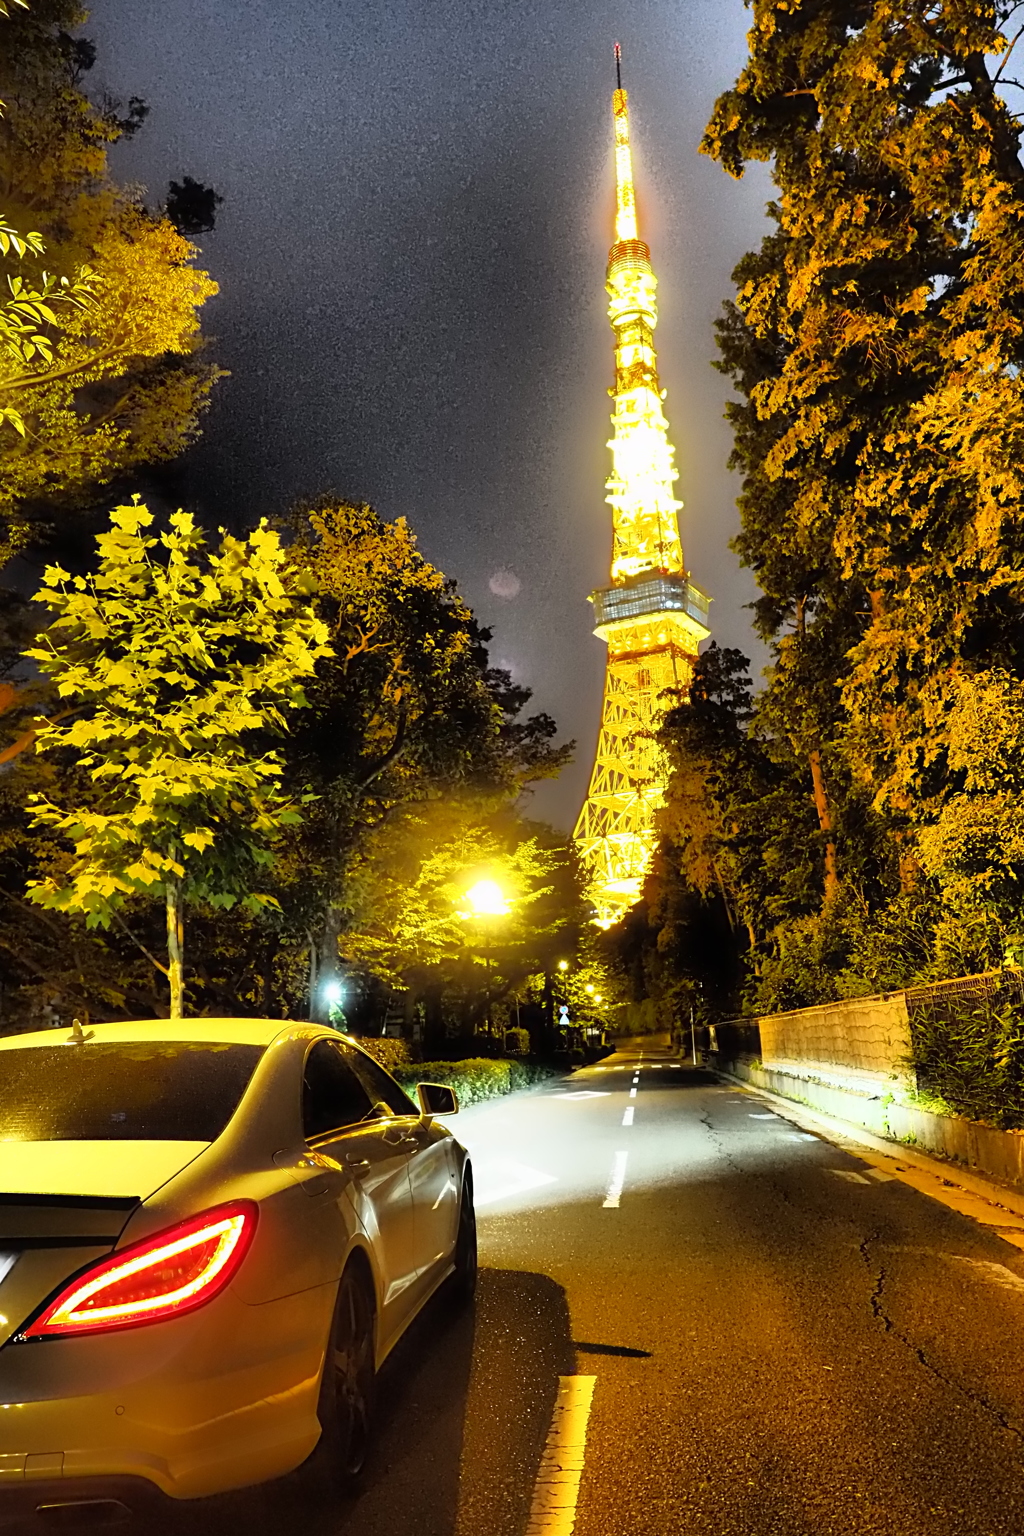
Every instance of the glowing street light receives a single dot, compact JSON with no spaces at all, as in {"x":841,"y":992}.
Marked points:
{"x":563,"y":965}
{"x":487,"y":899}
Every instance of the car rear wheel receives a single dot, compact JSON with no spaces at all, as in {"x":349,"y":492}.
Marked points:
{"x":463,"y":1281}
{"x":345,"y":1408}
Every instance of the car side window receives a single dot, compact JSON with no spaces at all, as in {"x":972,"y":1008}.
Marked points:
{"x":380,"y":1085}
{"x":332,"y":1095}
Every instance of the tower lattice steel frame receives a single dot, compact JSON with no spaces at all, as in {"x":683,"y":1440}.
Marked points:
{"x":651,"y":615}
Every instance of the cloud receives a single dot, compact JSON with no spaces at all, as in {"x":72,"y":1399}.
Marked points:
{"x":505,"y":583}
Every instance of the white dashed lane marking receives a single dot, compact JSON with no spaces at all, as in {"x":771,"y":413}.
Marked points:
{"x":627,"y":1118}
{"x":611,"y":1199}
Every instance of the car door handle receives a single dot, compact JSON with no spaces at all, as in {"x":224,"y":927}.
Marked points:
{"x":399,"y":1139}
{"x":357,"y":1162}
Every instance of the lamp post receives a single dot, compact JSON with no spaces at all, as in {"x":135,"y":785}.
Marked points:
{"x":487,"y":901}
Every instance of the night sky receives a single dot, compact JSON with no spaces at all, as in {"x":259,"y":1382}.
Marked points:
{"x":417,"y":211}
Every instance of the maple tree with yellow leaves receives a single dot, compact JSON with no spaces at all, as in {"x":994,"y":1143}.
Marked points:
{"x":112,"y":377}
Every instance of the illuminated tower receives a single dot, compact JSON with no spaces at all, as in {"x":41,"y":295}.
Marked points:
{"x":651,"y":615}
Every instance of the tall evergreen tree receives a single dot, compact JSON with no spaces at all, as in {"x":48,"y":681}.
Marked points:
{"x":876,"y":344}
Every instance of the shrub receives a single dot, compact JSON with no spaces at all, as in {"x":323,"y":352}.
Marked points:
{"x":475,"y":1079}
{"x":974,"y":1060}
{"x":517,"y":1041}
{"x":390,"y":1053}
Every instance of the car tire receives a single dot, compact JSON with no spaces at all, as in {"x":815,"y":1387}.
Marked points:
{"x":345,"y":1405}
{"x":463,"y":1280}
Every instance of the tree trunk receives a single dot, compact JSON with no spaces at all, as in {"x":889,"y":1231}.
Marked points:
{"x":313,"y":972}
{"x":821,"y":805}
{"x":909,"y":865}
{"x":328,"y":982}
{"x":175,"y":948}
{"x":433,"y":1019}
{"x":269,"y":955}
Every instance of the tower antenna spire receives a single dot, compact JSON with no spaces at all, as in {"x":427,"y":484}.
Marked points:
{"x":650,"y":614}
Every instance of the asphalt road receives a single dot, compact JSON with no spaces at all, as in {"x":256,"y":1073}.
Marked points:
{"x":784,"y":1341}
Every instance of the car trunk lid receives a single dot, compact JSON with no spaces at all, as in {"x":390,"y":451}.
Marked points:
{"x":64,"y":1204}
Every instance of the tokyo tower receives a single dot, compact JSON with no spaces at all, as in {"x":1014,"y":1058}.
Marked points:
{"x":651,"y":615}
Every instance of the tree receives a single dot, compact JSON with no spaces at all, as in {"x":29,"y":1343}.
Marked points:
{"x":407,"y":709}
{"x":876,"y":343}
{"x":191,"y":207}
{"x":118,"y":381}
{"x":181,"y":668}
{"x":32,"y":313}
{"x":413,"y":925}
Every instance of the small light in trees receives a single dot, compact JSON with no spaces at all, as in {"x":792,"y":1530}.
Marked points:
{"x":563,"y":965}
{"x":333,"y":992}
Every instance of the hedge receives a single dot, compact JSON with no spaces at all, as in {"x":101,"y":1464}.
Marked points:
{"x":391,"y":1053}
{"x":973,"y":1060}
{"x":476,"y":1079}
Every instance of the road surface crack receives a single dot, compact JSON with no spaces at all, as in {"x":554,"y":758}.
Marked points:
{"x":878,"y":1311}
{"x":752,"y":1173}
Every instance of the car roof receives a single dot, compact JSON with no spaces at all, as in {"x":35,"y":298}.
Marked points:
{"x":217,"y":1031}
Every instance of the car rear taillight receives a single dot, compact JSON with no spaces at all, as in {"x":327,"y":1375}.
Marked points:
{"x":173,"y":1272}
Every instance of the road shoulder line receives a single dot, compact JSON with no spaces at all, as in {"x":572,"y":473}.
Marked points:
{"x":556,"y":1491}
{"x":841,"y":1132}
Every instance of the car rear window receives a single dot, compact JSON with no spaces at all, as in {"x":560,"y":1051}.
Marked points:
{"x":160,"y":1090}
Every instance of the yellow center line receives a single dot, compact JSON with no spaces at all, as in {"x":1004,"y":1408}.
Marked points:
{"x":557,"y":1489}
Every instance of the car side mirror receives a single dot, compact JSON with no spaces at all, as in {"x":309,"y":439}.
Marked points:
{"x":436,"y":1099}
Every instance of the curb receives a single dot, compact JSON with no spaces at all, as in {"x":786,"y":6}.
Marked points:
{"x":948,"y":1173}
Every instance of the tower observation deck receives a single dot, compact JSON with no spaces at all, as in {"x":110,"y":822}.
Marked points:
{"x":651,"y":615}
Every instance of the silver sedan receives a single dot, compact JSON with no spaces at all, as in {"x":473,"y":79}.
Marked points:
{"x":212,"y":1233}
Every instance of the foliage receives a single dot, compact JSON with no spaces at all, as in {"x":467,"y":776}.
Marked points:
{"x":191,"y":207}
{"x":28,"y":319}
{"x":413,"y":913}
{"x":875,"y":346}
{"x":389,"y":1052}
{"x":475,"y":1079}
{"x":974,"y":1061}
{"x":179,"y":667}
{"x":407,"y":718}
{"x":117,"y":381}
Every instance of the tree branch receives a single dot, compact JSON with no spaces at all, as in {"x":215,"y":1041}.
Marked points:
{"x":392,"y":752}
{"x":24,"y":741}
{"x":1006,"y":55}
{"x":119,"y":920}
{"x":38,"y":380}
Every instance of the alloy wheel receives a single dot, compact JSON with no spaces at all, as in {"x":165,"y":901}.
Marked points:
{"x":353,"y":1361}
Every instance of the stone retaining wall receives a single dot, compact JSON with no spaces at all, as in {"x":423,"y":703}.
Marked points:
{"x":862,"y":1044}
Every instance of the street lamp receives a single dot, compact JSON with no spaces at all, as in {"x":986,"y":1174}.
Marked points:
{"x":563,"y":965}
{"x":487,"y":900}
